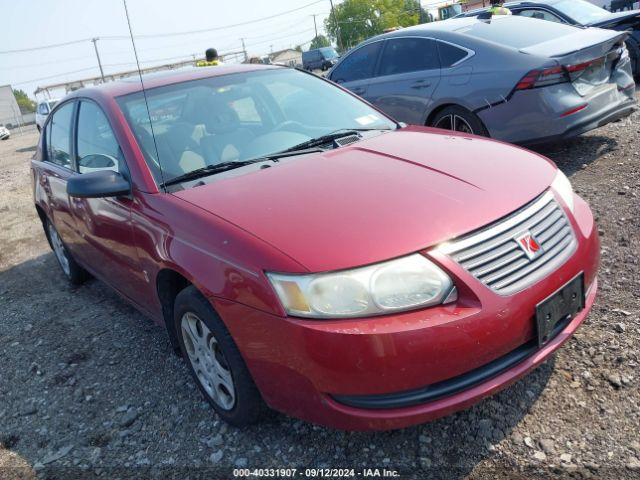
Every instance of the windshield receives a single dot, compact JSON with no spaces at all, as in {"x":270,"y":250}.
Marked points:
{"x":237,"y":117}
{"x":581,"y":11}
{"x":329,"y":53}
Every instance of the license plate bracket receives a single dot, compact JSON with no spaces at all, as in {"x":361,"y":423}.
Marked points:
{"x":563,"y":304}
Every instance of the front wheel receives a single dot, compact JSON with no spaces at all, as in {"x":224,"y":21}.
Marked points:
{"x":215,"y":361}
{"x":460,"y":120}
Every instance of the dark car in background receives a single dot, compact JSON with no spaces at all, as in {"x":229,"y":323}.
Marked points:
{"x":319,"y":59}
{"x":511,"y":78}
{"x":581,"y":13}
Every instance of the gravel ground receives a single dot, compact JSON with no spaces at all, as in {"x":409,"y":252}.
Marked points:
{"x":89,"y":387}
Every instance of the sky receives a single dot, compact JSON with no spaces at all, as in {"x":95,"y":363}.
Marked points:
{"x":157,"y":25}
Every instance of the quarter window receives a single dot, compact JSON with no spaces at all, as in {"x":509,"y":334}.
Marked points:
{"x":450,"y":55}
{"x":404,"y":55}
{"x":358,"y":65}
{"x":97,"y":146}
{"x":59,"y":139}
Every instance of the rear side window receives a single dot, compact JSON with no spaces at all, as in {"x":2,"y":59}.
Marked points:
{"x":59,"y":139}
{"x":404,"y":55}
{"x":358,"y":65}
{"x":97,"y":147}
{"x":449,"y":54}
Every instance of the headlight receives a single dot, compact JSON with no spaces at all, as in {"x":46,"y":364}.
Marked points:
{"x":402,"y":284}
{"x":562,"y":186}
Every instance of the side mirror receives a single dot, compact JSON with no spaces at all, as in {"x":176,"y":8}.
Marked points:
{"x":104,"y":183}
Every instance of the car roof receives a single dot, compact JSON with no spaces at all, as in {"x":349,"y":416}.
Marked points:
{"x":458,"y":27}
{"x":159,"y":79}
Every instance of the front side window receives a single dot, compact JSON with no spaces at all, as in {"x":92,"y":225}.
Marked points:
{"x":97,"y":147}
{"x":581,"y":11}
{"x":238,"y":117}
{"x":59,"y":138}
{"x":539,"y":14}
{"x":329,"y":53}
{"x":405,"y":55}
{"x":358,"y":65}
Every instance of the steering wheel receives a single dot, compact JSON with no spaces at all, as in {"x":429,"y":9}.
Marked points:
{"x":290,"y":125}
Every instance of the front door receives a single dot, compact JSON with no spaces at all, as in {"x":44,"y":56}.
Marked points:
{"x":407,"y":76}
{"x":104,"y":224}
{"x":356,"y":70}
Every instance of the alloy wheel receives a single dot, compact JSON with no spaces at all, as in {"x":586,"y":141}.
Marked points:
{"x":208,"y":361}
{"x":455,"y":123}
{"x":59,"y":250}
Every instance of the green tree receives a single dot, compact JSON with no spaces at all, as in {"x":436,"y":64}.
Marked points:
{"x":353,"y":21}
{"x":319,"y":42}
{"x":24,"y":102}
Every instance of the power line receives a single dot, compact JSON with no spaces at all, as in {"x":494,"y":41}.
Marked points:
{"x":157,"y":35}
{"x":226,"y":27}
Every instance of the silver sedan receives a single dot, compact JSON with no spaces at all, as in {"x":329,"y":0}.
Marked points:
{"x":511,"y":78}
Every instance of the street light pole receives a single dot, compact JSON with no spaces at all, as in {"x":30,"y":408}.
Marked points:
{"x":244,"y":50}
{"x":315,"y":25}
{"x":339,"y":34}
{"x":95,"y":46}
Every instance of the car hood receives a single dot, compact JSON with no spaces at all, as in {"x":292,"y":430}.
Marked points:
{"x":617,"y":18}
{"x":380,"y":198}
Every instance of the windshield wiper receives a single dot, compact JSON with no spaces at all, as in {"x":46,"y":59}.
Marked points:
{"x":208,"y":170}
{"x":226,"y":166}
{"x":343,"y":132}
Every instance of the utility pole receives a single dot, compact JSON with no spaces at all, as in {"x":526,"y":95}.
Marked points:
{"x":314,"y":24}
{"x":95,"y":46}
{"x":339,"y":34}
{"x":244,"y":50}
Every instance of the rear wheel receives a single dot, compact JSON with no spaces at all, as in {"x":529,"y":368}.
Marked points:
{"x":460,"y":120}
{"x":215,"y":361}
{"x":74,"y":272}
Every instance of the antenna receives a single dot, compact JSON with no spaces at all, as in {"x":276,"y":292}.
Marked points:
{"x":144,"y":92}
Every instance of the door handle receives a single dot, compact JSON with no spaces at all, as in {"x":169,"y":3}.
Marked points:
{"x":421,"y":84}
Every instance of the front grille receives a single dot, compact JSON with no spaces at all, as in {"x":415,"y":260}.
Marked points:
{"x":493,"y":256}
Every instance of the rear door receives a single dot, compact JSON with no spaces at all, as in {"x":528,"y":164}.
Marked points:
{"x":356,"y":69}
{"x":104,"y":224}
{"x":407,"y":75}
{"x":56,"y":170}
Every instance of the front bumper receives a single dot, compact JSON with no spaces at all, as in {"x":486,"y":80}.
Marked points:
{"x":308,"y":368}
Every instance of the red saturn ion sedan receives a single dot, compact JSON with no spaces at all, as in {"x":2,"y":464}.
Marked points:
{"x":307,"y":253}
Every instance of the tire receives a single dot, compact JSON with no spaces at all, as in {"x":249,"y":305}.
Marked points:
{"x":222,"y":377}
{"x":459,"y":119}
{"x":75,"y":274}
